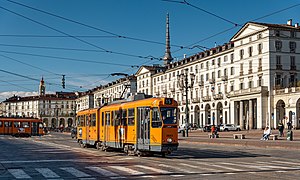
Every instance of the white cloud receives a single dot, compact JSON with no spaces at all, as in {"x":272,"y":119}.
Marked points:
{"x":5,"y":95}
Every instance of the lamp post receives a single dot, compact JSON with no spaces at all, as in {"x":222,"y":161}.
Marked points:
{"x":184,"y":85}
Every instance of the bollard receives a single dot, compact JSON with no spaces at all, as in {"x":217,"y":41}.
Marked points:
{"x":183,"y":133}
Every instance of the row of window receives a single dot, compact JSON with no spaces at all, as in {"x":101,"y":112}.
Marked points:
{"x":292,"y":46}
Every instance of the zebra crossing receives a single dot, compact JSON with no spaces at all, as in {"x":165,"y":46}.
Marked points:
{"x":160,"y":170}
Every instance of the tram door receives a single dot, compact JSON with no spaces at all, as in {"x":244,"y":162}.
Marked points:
{"x":7,"y":127}
{"x":107,"y":127}
{"x":34,"y":128}
{"x":87,"y":128}
{"x":143,"y":128}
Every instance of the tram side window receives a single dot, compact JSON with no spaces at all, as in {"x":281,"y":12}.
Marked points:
{"x":88,"y":120}
{"x":102,"y":118}
{"x":124,"y":117}
{"x":156,"y":121}
{"x":7,"y":124}
{"x":107,"y":118}
{"x":81,"y":121}
{"x":1,"y":123}
{"x":93,"y":120}
{"x":17,"y":124}
{"x":116,"y":118}
{"x":25,"y":124}
{"x":130,"y":117}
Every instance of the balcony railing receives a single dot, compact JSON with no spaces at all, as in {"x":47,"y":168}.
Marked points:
{"x":172,"y":89}
{"x":218,"y":96}
{"x":259,"y":68}
{"x":250,"y":71}
{"x":241,"y":73}
{"x":201,"y":83}
{"x":211,"y":81}
{"x":224,"y":78}
{"x":278,"y":67}
{"x":196,"y":100}
{"x":293,"y":67}
{"x":206,"y":98}
{"x":249,"y":91}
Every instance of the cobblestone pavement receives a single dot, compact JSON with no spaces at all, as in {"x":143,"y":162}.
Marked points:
{"x":252,"y":139}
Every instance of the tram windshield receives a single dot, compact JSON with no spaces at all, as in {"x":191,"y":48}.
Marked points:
{"x":169,"y":115}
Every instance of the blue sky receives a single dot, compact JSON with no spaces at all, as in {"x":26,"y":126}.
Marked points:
{"x":34,"y":44}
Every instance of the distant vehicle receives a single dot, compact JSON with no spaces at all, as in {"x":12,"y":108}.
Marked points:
{"x":207,"y":128}
{"x":230,"y":127}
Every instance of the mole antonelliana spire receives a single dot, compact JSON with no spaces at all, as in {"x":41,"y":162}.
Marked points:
{"x":168,"y":57}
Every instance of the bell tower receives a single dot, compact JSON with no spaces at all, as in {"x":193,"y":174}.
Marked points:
{"x":42,"y":88}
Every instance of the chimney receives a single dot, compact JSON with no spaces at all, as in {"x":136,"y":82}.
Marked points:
{"x":296,"y":25}
{"x":184,"y":56}
{"x":289,"y":22}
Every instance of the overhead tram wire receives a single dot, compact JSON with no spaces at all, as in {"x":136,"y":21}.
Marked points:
{"x":16,"y":85}
{"x":89,"y":26}
{"x":44,"y":70}
{"x":67,"y":59}
{"x":81,"y":40}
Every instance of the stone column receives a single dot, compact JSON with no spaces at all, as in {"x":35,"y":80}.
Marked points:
{"x":242,"y":115}
{"x":250,"y":114}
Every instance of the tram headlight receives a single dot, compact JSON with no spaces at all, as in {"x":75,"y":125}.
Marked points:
{"x":169,"y":140}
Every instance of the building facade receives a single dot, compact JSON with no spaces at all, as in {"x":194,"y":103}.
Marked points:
{"x":56,"y":110}
{"x":237,"y":82}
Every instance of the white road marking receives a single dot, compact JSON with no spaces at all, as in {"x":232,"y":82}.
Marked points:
{"x":19,"y":174}
{"x":224,"y":167}
{"x":179,"y":169}
{"x":105,"y":172}
{"x":153,"y":169}
{"x":207,"y":168}
{"x":47,"y":173}
{"x":244,"y":165}
{"x":127,"y":170}
{"x":75,"y":172}
{"x":284,"y":162}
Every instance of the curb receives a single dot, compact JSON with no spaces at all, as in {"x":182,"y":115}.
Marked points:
{"x":243,"y":144}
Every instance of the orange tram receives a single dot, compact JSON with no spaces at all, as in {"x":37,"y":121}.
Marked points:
{"x":21,"y":126}
{"x":137,"y":127}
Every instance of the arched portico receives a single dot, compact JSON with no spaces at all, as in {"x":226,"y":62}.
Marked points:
{"x":197,"y":115}
{"x":219,"y":113}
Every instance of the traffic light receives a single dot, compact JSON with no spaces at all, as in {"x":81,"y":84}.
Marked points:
{"x":63,"y":82}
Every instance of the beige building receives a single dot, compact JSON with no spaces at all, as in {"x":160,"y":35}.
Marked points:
{"x":237,"y":82}
{"x":54,"y":109}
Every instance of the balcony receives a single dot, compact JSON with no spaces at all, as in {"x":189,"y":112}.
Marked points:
{"x":283,"y":91}
{"x":196,"y":100}
{"x":241,"y":73}
{"x":164,"y":91}
{"x":293,"y":68}
{"x":278,"y":67}
{"x":250,"y":71}
{"x":172,"y":89}
{"x":224,"y":78}
{"x":218,"y":96}
{"x":259,"y":68}
{"x":211,"y":81}
{"x":250,"y":91}
{"x":201,"y":83}
{"x":206,"y":98}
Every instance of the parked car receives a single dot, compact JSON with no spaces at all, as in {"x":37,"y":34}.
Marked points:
{"x":207,"y":128}
{"x":230,"y":127}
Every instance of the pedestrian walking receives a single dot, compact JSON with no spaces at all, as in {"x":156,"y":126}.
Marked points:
{"x":213,"y":129}
{"x":281,"y":129}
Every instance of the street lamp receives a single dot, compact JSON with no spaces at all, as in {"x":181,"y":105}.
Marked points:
{"x":184,"y":85}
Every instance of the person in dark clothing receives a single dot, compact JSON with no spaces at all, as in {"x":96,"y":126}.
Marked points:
{"x":281,"y":129}
{"x":289,"y":124}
